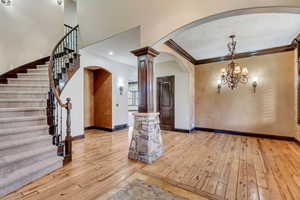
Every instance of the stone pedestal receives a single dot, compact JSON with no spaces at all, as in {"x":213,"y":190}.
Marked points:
{"x":146,"y":143}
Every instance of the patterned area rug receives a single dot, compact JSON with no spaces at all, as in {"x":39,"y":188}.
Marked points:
{"x":138,"y":190}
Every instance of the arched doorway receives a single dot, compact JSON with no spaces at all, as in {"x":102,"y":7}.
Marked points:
{"x":204,"y":86}
{"x":171,"y":94}
{"x":97,"y":98}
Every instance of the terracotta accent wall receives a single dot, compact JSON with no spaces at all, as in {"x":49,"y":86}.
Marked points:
{"x":103,"y":99}
{"x":268,"y":111}
{"x":97,"y":98}
{"x":88,"y":98}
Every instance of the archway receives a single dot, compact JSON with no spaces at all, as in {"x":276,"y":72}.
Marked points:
{"x":97,"y":98}
{"x":222,"y":15}
{"x":175,"y":76}
{"x":160,"y":46}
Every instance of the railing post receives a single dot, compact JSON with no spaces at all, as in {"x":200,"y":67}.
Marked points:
{"x":68,"y":139}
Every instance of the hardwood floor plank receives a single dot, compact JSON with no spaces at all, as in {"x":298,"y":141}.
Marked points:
{"x":213,"y":165}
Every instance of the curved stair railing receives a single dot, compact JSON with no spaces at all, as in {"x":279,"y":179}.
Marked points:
{"x":64,"y":62}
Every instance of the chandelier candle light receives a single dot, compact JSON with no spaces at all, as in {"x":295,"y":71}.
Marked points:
{"x":233,"y":74}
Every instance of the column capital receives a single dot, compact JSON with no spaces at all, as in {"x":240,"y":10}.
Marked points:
{"x":145,"y":51}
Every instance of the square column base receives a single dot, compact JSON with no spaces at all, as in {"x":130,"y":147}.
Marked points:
{"x":146,"y":143}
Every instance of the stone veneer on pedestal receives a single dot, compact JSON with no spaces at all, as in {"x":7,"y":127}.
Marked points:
{"x":146,"y":142}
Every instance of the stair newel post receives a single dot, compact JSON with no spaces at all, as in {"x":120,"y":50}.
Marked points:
{"x":68,"y":139}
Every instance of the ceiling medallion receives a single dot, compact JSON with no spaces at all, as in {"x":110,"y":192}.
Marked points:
{"x":233,"y":74}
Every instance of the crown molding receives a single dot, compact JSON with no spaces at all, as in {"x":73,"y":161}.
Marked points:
{"x":290,"y":47}
{"x":173,"y":45}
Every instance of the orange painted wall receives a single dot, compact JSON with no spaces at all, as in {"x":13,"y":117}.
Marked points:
{"x":102,"y":99}
{"x":97,"y":98}
{"x":88,"y":98}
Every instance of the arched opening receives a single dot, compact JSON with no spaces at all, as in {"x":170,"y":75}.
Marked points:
{"x":171,"y":92}
{"x":97,"y":98}
{"x":203,"y":46}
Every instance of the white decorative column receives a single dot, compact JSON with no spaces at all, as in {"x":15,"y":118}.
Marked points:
{"x":146,"y":143}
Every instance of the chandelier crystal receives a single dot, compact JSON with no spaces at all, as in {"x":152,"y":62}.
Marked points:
{"x":233,"y":74}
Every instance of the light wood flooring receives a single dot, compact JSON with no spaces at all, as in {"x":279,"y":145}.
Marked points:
{"x":215,"y":166}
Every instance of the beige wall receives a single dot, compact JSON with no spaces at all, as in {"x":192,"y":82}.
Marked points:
{"x":269,"y":111}
{"x":296,"y":96}
{"x":101,"y":19}
{"x":29,"y":31}
{"x":70,"y":13}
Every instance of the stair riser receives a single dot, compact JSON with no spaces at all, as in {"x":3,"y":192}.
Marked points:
{"x":33,"y":82}
{"x":23,"y":113}
{"x":23,"y":104}
{"x":23,"y":96}
{"x":42,"y":71}
{"x":34,"y":75}
{"x":10,"y":187}
{"x":42,"y":66}
{"x":18,"y":88}
{"x":23,"y":123}
{"x":19,"y":134}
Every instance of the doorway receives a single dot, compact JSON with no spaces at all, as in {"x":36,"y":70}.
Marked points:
{"x":97,"y":98}
{"x":166,"y":102}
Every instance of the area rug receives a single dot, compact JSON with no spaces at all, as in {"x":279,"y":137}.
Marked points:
{"x":139,"y":190}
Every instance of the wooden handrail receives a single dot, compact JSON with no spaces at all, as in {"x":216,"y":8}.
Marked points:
{"x":50,"y":69}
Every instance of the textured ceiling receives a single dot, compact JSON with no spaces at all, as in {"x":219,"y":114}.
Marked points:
{"x":253,"y":32}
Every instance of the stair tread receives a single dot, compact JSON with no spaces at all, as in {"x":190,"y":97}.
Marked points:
{"x":22,"y":92}
{"x":23,"y":129}
{"x":22,"y":109}
{"x":29,"y":170}
{"x":15,"y":119}
{"x":30,"y":74}
{"x":28,"y":79}
{"x":23,"y":85}
{"x":9,"y":142}
{"x":22,"y":100}
{"x":26,"y":153}
{"x":39,"y":69}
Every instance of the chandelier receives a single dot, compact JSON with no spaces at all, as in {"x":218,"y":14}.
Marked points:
{"x":6,"y":2}
{"x":233,"y":74}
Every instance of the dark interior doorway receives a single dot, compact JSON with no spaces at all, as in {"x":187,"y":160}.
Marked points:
{"x":166,"y":102}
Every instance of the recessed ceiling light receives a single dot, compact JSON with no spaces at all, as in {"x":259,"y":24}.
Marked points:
{"x":111,"y":53}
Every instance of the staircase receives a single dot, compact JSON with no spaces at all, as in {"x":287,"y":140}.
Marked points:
{"x":31,"y":128}
{"x":26,"y":150}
